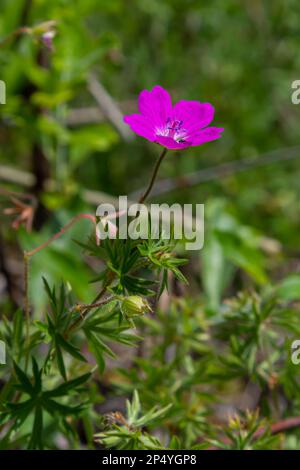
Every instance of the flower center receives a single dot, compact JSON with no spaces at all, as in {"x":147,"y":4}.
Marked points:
{"x":173,"y":128}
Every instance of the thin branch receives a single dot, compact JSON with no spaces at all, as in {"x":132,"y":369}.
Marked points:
{"x":11,"y":285}
{"x":80,"y":307}
{"x":61,"y":232}
{"x":93,"y":114}
{"x":26,"y":179}
{"x":9,"y":194}
{"x":27,"y":306}
{"x":86,"y":115}
{"x":15,"y":176}
{"x":88,"y":307}
{"x":222,"y":171}
{"x":109,"y":107}
{"x":15,"y":34}
{"x":281,"y":426}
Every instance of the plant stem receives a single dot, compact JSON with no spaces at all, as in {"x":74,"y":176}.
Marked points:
{"x":61,"y":232}
{"x":14,"y":34}
{"x":80,"y":307}
{"x":27,"y":256}
{"x":27,"y":307}
{"x":88,"y":307}
{"x":154,"y":174}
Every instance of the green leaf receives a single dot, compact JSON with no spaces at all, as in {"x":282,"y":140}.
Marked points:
{"x":53,"y":406}
{"x":134,"y":408}
{"x":66,"y":387}
{"x":70,"y":348}
{"x":60,"y":361}
{"x":24,"y":381}
{"x":36,"y":441}
{"x":37,"y":376}
{"x":213,"y":270}
{"x":20,"y":411}
{"x":243,"y":255}
{"x":289,"y":288}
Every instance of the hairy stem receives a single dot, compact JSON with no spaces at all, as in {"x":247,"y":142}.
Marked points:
{"x":61,"y":232}
{"x":80,"y":307}
{"x":88,"y":307}
{"x":27,"y":256}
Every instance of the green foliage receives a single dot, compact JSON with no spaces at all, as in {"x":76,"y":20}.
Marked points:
{"x":136,"y":344}
{"x":39,"y":402}
{"x":131,"y":435}
{"x":247,"y":433}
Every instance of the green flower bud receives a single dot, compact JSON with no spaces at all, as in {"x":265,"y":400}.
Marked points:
{"x":134,"y":305}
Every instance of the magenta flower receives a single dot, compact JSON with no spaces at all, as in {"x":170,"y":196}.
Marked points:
{"x":174,"y":127}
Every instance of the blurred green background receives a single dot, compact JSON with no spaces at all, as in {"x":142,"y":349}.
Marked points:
{"x":240,"y":57}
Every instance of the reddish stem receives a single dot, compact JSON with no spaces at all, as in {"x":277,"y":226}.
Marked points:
{"x":61,"y":232}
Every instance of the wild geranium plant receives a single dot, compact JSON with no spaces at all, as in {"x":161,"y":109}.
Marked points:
{"x":51,"y":375}
{"x":169,"y":355}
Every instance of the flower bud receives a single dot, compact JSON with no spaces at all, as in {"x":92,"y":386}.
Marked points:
{"x":47,"y":39}
{"x":45,"y":32}
{"x":134,"y":306}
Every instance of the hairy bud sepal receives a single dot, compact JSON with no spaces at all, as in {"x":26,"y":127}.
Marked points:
{"x":134,"y":306}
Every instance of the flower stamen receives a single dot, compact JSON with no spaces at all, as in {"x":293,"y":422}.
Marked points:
{"x":174,"y":130}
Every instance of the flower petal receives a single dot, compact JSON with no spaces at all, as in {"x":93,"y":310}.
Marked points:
{"x":193,"y":114}
{"x":140,"y":125}
{"x":170,"y":143}
{"x":206,"y":135}
{"x":156,"y":105}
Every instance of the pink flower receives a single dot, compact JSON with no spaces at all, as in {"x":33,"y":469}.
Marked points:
{"x":174,"y":127}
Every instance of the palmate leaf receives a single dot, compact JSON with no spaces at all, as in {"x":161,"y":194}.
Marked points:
{"x":103,"y":327}
{"x":160,"y":254}
{"x":41,"y":400}
{"x":56,"y":328}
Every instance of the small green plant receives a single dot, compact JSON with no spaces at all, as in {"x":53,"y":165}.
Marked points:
{"x":128,"y":432}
